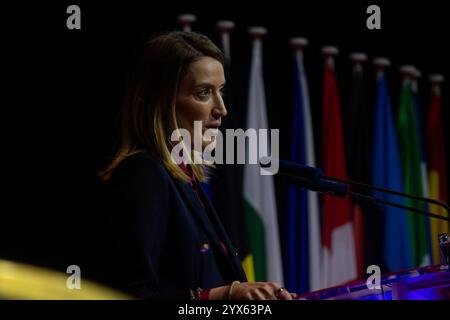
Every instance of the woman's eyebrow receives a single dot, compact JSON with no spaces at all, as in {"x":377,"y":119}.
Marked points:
{"x":208,"y":85}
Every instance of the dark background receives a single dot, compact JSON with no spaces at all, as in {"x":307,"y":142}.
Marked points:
{"x":64,"y":90}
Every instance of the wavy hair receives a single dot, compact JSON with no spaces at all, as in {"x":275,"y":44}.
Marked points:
{"x":149,"y":109}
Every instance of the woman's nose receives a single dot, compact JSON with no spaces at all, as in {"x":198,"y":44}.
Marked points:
{"x":220,"y":110}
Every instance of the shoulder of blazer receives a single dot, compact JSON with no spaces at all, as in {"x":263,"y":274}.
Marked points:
{"x":142,"y":164}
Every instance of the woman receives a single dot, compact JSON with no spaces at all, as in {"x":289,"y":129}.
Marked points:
{"x":167,"y":241}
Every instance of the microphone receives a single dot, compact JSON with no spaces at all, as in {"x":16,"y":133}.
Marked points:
{"x":311,"y":178}
{"x":306,"y":177}
{"x":323,"y":186}
{"x":294,"y":169}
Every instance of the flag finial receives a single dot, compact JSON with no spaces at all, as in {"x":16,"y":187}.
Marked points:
{"x":298,"y":43}
{"x":436,"y":78}
{"x":186,"y":20}
{"x":330,"y":50}
{"x":358,"y":57}
{"x":257,"y":32}
{"x":407,"y":70}
{"x":225,"y":25}
{"x":381,"y":62}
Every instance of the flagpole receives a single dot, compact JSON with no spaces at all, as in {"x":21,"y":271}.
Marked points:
{"x":186,"y":21}
{"x":225,"y":27}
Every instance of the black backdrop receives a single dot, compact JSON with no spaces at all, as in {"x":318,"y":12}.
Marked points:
{"x":64,"y":90}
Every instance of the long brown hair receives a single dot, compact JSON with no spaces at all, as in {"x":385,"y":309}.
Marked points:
{"x":148,"y":115}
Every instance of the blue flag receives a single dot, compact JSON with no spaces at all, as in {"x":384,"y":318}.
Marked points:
{"x":297,"y":242}
{"x":387,"y":173}
{"x":303,"y":247}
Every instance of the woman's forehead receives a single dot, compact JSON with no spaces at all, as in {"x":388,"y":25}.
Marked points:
{"x":205,"y":70}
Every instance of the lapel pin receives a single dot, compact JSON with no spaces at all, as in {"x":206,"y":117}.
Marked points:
{"x":204,"y":248}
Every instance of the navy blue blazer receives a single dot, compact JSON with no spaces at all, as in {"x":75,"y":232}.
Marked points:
{"x":161,"y":242}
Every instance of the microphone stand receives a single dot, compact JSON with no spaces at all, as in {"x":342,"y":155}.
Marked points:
{"x":342,"y":191}
{"x":339,"y":187}
{"x":357,"y":195}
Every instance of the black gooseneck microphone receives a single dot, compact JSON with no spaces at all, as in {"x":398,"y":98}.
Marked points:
{"x":311,"y":178}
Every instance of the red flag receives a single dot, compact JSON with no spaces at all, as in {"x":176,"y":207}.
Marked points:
{"x":436,"y":167}
{"x":338,"y":236}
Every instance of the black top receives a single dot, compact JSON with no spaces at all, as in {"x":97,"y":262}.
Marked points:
{"x":160,"y":241}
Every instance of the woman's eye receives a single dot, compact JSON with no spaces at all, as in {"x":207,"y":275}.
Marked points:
{"x":204,"y":93}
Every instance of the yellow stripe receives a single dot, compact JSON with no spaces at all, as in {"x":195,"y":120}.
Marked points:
{"x":21,"y":281}
{"x":436,"y":226}
{"x":247,"y":265}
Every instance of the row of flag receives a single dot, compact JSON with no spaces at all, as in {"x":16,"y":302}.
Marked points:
{"x":326,"y":237}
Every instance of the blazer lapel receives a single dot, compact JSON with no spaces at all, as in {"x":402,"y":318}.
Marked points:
{"x":199,"y":212}
{"x":212,"y":226}
{"x":232,"y":256}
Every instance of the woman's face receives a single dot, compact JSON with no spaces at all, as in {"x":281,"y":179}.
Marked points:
{"x":199,"y":98}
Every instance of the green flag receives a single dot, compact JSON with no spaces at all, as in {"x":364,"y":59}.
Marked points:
{"x":409,"y":145}
{"x":259,"y":190}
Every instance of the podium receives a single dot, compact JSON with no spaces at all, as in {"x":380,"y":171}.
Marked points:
{"x":422,"y":283}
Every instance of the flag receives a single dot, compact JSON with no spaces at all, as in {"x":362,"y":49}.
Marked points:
{"x":303,"y":224}
{"x":358,"y":141}
{"x":259,"y":193}
{"x":423,"y":162}
{"x":409,"y":146}
{"x":387,"y":173}
{"x":226,"y":180}
{"x":437,"y":171}
{"x":338,"y":237}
